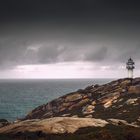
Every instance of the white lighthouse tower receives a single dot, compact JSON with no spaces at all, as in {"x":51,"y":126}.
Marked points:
{"x":130,"y":66}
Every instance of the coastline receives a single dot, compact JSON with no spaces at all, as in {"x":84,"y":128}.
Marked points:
{"x":110,"y":110}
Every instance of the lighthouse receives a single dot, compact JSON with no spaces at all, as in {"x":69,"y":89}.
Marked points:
{"x":130,"y":66}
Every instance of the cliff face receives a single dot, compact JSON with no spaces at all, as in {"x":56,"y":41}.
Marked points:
{"x":119,"y":99}
{"x":104,"y":112}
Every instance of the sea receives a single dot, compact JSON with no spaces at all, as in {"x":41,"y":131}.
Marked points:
{"x":19,"y":96}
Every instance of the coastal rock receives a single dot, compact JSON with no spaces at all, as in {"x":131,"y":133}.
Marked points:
{"x":88,"y":109}
{"x":136,"y":81}
{"x":56,"y":125}
{"x":131,"y":101}
{"x":121,"y":122}
{"x":102,"y":101}
{"x":134,"y":89}
{"x":70,"y":128}
{"x":74,"y":97}
{"x":125,"y":83}
{"x":96,"y":112}
{"x":3,"y":122}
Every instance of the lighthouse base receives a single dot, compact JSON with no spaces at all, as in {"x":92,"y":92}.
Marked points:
{"x":130,"y":73}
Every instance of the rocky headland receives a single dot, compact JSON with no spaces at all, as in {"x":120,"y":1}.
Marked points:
{"x":98,"y":112}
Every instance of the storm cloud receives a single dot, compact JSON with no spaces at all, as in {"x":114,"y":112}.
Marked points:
{"x":104,"y":32}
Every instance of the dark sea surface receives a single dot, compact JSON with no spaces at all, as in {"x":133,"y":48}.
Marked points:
{"x":19,"y":97}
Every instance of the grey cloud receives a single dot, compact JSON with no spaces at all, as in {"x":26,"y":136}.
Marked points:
{"x":21,"y":52}
{"x":99,"y":54}
{"x":49,"y":53}
{"x":38,"y":46}
{"x":59,"y":53}
{"x":104,"y":55}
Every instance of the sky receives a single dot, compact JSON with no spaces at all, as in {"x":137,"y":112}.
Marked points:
{"x":69,"y":38}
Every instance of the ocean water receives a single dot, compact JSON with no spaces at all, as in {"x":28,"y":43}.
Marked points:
{"x":19,"y":97}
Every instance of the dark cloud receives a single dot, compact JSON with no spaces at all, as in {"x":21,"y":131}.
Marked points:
{"x":26,"y":11}
{"x":51,"y":31}
{"x":19,"y":52}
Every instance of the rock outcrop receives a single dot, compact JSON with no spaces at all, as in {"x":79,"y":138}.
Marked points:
{"x":3,"y":122}
{"x":69,"y":128}
{"x":104,"y":112}
{"x":119,"y":99}
{"x":56,"y":125}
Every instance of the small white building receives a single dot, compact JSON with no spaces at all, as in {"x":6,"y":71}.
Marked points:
{"x":130,"y":67}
